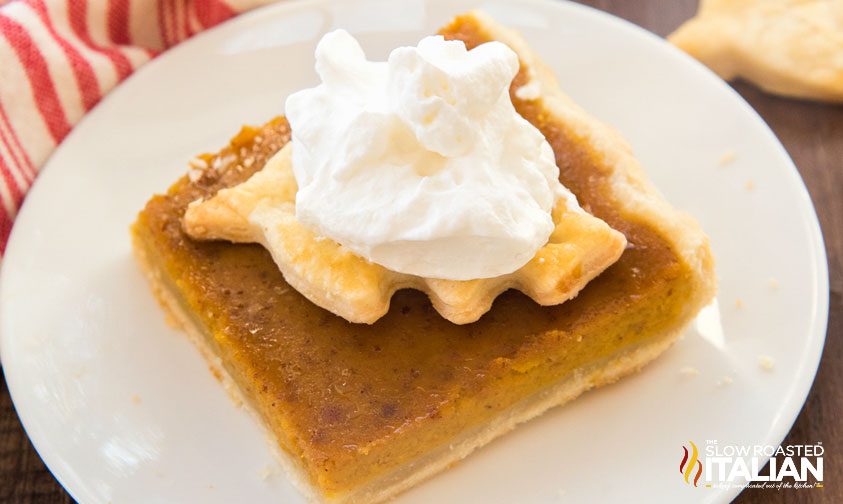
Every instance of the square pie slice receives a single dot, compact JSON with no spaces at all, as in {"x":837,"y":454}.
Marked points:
{"x":262,"y":210}
{"x":362,"y":412}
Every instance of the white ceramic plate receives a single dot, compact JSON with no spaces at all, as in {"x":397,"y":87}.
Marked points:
{"x":123,"y":409}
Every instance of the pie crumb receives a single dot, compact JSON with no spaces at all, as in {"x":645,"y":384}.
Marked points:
{"x":766,"y":362}
{"x":136,"y":399}
{"x":220,"y":163}
{"x":739,"y":303}
{"x":689,"y":371}
{"x":198,"y":163}
{"x":749,"y":185}
{"x":727,"y":158}
{"x":774,"y":283}
{"x":265,"y":472}
{"x":726,"y":380}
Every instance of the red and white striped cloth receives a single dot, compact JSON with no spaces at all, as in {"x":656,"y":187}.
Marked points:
{"x":58,"y":58}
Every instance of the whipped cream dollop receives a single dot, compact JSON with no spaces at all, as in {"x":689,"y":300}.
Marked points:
{"x":421,"y":163}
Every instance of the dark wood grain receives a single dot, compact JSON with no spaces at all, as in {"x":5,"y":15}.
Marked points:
{"x":23,"y":477}
{"x":812,"y":134}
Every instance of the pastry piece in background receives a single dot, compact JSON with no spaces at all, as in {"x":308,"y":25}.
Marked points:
{"x":787,"y":47}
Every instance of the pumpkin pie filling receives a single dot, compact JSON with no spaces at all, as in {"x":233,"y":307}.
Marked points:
{"x":352,"y":402}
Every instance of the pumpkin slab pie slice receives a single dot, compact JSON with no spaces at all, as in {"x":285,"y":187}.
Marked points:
{"x":361,"y":412}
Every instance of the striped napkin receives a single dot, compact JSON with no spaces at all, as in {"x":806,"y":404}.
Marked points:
{"x":58,"y":58}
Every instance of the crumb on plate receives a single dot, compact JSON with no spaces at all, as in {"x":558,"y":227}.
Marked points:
{"x":726,"y":380}
{"x":689,"y":371}
{"x":766,"y":362}
{"x":727,"y":158}
{"x":265,"y":472}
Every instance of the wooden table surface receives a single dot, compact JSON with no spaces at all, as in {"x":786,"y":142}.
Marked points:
{"x":812,"y":134}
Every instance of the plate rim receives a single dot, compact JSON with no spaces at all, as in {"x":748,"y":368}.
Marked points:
{"x":816,"y":334}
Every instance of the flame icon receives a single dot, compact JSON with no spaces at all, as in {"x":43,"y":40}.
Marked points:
{"x":688,"y":464}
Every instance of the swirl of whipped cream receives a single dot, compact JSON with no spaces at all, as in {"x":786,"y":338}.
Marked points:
{"x":421,"y":164}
